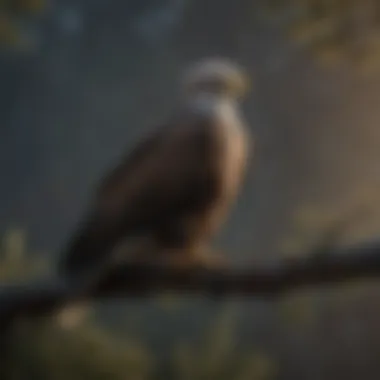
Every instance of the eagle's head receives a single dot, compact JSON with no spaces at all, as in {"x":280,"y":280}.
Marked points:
{"x":218,"y":76}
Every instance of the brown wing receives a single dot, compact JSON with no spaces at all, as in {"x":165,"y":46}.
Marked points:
{"x":170,"y":174}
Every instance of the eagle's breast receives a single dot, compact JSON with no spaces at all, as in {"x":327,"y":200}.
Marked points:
{"x":231,"y":141}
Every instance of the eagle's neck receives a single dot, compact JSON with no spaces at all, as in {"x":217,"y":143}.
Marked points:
{"x":212,"y":104}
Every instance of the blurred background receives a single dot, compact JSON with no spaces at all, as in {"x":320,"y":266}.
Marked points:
{"x":80,"y":80}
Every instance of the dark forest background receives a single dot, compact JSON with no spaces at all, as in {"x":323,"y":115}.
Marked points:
{"x":80,"y":80}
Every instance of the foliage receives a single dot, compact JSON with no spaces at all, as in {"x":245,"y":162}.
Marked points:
{"x":44,"y":349}
{"x":217,"y":357}
{"x":14,"y":17}
{"x":15,"y":261}
{"x":333,"y":30}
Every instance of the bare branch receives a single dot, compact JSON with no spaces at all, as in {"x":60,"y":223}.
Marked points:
{"x":131,"y":280}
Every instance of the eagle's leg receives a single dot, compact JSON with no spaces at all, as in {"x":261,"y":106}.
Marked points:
{"x":210,"y":258}
{"x":183,"y":245}
{"x":191,"y":256}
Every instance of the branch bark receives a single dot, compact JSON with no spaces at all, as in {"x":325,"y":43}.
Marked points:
{"x":139,"y":280}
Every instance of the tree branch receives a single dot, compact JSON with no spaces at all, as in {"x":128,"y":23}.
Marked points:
{"x":131,"y":280}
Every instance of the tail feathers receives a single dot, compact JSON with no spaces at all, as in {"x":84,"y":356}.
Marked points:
{"x":82,"y":265}
{"x":87,"y":251}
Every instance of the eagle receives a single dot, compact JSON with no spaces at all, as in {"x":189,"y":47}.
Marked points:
{"x":176,"y":186}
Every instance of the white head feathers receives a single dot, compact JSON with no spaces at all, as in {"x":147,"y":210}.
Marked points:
{"x":216,"y":75}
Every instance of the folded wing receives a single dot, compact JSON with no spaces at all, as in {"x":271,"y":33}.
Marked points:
{"x":172,"y":174}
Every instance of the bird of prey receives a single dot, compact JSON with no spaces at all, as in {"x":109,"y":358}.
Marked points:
{"x":177,"y":185}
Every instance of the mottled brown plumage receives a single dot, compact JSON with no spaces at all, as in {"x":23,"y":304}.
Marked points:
{"x":177,"y":186}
